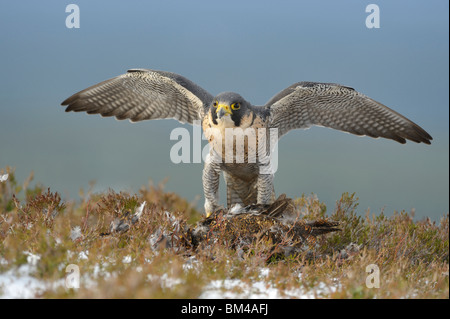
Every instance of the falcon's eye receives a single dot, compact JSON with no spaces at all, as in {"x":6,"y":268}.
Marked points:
{"x":236,"y":106}
{"x":215,"y":104}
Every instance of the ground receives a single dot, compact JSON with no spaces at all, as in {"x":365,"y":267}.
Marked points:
{"x":45,"y":242}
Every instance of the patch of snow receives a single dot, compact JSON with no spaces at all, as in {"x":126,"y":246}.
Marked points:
{"x":84,"y":255}
{"x":75,"y":233}
{"x":19,"y":286}
{"x":238,"y":289}
{"x":165,"y":281}
{"x":264,"y":272}
{"x":190,"y":263}
{"x":19,"y":283}
{"x":127,"y":259}
{"x":139,"y":211}
{"x":32,"y":259}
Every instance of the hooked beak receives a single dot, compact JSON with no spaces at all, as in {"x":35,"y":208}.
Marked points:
{"x":223,"y":110}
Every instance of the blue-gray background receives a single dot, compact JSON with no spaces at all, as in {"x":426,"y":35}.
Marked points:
{"x":255,"y":48}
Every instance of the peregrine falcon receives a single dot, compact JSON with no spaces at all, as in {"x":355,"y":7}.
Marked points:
{"x":142,"y":94}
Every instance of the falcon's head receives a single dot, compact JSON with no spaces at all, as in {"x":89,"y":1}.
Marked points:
{"x":228,"y":109}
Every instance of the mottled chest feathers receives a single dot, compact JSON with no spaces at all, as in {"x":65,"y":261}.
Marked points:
{"x":236,"y":143}
{"x":234,"y":129}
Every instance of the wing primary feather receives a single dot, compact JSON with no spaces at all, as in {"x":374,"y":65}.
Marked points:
{"x":142,"y":94}
{"x":342,"y":108}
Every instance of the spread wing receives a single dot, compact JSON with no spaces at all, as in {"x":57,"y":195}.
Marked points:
{"x":142,"y":94}
{"x":342,"y":108}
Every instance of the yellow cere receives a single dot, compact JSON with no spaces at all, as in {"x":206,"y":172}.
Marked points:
{"x":225,"y":107}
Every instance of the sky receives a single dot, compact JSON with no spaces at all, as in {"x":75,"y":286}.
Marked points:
{"x":255,"y":48}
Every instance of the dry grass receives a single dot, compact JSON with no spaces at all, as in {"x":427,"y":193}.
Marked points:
{"x":412,"y":256}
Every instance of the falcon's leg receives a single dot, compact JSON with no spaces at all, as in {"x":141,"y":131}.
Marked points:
{"x":240,"y":191}
{"x":266,"y":191}
{"x":211,"y":179}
